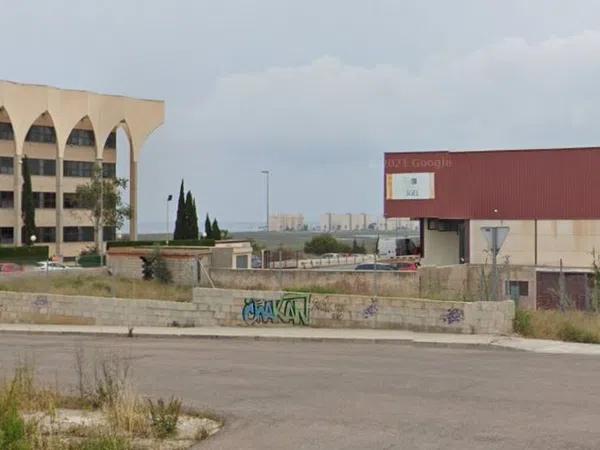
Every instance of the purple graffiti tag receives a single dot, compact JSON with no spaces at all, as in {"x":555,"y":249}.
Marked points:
{"x":371,"y":310}
{"x":453,"y":315}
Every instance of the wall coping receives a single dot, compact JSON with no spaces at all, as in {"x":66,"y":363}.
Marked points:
{"x":413,"y":299}
{"x":91,"y":297}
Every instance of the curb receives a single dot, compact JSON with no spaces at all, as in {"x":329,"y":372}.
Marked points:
{"x":317,"y":339}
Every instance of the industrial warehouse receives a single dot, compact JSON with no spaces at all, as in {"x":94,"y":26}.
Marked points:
{"x":544,"y":199}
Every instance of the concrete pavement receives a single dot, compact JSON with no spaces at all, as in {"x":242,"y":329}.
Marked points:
{"x":349,"y":395}
{"x":321,"y":334}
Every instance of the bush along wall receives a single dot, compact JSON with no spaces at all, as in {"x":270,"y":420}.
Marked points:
{"x":24,"y":255}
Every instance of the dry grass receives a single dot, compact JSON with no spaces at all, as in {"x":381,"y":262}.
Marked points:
{"x":572,"y":326}
{"x":97,"y":286}
{"x":105,"y":385}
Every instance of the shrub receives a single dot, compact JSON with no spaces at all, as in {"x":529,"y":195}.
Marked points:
{"x":572,"y":333}
{"x":164,"y":416}
{"x":522,"y":323}
{"x":325,"y":243}
{"x":12,"y":426}
{"x":24,"y":255}
{"x":160,"y":270}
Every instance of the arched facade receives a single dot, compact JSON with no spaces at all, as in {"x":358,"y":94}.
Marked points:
{"x":94,"y":117}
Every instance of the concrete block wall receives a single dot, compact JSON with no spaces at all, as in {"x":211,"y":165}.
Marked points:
{"x":17,"y":307}
{"x":392,"y":283}
{"x":228,"y":307}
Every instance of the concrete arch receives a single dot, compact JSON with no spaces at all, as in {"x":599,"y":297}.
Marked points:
{"x":25,"y":103}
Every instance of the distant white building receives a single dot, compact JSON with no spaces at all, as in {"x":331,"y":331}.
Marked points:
{"x":357,"y":222}
{"x":286,"y":222}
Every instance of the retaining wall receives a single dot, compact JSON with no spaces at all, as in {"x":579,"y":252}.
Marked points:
{"x":17,"y":307}
{"x":228,"y":307}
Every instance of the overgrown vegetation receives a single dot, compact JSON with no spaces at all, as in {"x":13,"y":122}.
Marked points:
{"x":154,"y":267}
{"x":571,"y":326}
{"x":164,"y":416}
{"x":98,"y":286}
{"x":124,"y":420}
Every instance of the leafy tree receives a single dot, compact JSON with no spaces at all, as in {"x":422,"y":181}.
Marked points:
{"x":358,"y":249}
{"x":27,"y":205}
{"x":325,"y":243}
{"x":208,"y":227}
{"x":216,"y":232}
{"x":179,"y":232}
{"x":102,"y":198}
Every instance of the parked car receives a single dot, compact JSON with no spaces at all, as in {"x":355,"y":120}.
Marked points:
{"x":406,"y":266}
{"x":256,"y":262}
{"x":10,"y":267}
{"x":371,"y":266}
{"x":329,"y":255}
{"x":49,"y":266}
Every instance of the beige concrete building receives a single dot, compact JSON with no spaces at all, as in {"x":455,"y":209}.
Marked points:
{"x":286,"y":222}
{"x":64,"y":133}
{"x":361,"y":221}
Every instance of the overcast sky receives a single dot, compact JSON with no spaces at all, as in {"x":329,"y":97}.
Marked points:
{"x":316,"y":90}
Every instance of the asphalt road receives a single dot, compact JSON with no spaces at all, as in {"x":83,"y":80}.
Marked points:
{"x":301,"y":395}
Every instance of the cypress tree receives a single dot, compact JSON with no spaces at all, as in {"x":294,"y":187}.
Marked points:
{"x":208,"y":228}
{"x":216,"y":232}
{"x":179,"y":221}
{"x":27,"y":205}
{"x":195,"y":229}
{"x":191,"y":217}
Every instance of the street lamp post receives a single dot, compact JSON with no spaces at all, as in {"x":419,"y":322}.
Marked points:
{"x":169,"y":198}
{"x":267,"y":173}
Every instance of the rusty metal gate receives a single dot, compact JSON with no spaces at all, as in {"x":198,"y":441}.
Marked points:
{"x":576,"y":288}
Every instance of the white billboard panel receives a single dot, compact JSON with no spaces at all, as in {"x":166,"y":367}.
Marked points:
{"x":410,"y":186}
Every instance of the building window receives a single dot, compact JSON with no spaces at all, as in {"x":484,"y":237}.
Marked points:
{"x":46,"y":234}
{"x":42,"y":167}
{"x":44,"y":200}
{"x":70,"y":201}
{"x":82,"y":138}
{"x":84,"y":169}
{"x":109,"y":170}
{"x":43,"y":134}
{"x":6,"y":165}
{"x":7,"y":235}
{"x":109,"y":233}
{"x":517,"y":288}
{"x":111,"y":141}
{"x":6,"y":132}
{"x":241,"y":262}
{"x":7,"y":199}
{"x":78,"y":234}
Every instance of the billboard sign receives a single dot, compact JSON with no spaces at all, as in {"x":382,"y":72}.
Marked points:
{"x":410,"y":186}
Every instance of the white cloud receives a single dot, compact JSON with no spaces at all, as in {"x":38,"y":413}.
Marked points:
{"x":514,"y":93}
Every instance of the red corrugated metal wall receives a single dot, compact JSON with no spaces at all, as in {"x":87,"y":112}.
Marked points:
{"x":520,"y":184}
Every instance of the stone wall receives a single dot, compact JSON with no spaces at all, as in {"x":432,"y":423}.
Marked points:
{"x":227,"y":307}
{"x":400,"y":284}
